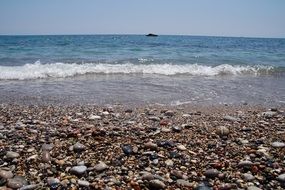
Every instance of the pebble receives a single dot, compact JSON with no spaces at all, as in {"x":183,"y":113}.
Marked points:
{"x":53,"y":182}
{"x":6,"y":174}
{"x":29,"y":187}
{"x":211,"y":173}
{"x":157,"y":184}
{"x":222,"y":131}
{"x":147,"y":176}
{"x":154,"y":118}
{"x":183,"y":183}
{"x":100,"y":167}
{"x":169,"y":113}
{"x":248,"y":177}
{"x":12,"y":155}
{"x":177,"y":129}
{"x":83,"y":183}
{"x":245,"y":163}
{"x":127,"y":149}
{"x":94,"y":117}
{"x":78,"y":147}
{"x":268,"y":114}
{"x":150,"y":145}
{"x":17,"y":182}
{"x":231,"y":118}
{"x":181,"y":147}
{"x":281,"y":178}
{"x":169,"y":162}
{"x":278,"y":144}
{"x":177,"y":174}
{"x":78,"y":170}
{"x":46,"y":156}
{"x":253,"y":188}
{"x":47,"y":147}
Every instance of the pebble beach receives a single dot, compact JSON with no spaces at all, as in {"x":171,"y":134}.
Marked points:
{"x":144,"y":147}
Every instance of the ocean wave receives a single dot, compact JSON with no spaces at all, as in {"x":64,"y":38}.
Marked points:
{"x":61,"y":70}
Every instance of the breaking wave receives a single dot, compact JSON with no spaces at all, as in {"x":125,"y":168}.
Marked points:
{"x":61,"y":70}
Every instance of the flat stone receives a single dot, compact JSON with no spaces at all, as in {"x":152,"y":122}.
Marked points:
{"x":248,"y":177}
{"x":245,"y":163}
{"x":100,"y":167}
{"x":177,"y":129}
{"x":17,"y":182}
{"x":6,"y":174}
{"x":94,"y":117}
{"x":147,"y":176}
{"x":150,"y":145}
{"x":169,"y":162}
{"x":211,"y":173}
{"x":181,"y":147}
{"x":278,"y":144}
{"x":47,"y":147}
{"x":12,"y":155}
{"x":183,"y":183}
{"x":46,"y":156}
{"x":83,"y":183}
{"x":253,"y":188}
{"x":154,"y":118}
{"x":203,"y":186}
{"x":222,"y":131}
{"x":281,"y":178}
{"x":78,"y":170}
{"x":231,"y":118}
{"x":78,"y":147}
{"x":157,"y":184}
{"x":53,"y":182}
{"x":30,"y":187}
{"x":177,"y":174}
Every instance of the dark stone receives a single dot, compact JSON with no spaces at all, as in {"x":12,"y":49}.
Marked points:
{"x":127,"y":149}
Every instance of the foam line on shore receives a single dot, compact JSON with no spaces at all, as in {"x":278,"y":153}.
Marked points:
{"x":38,"y":70}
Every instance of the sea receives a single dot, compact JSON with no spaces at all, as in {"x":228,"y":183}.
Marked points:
{"x":141,"y":70}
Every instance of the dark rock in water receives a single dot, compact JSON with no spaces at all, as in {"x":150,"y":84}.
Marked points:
{"x":127,"y":149}
{"x":151,"y":35}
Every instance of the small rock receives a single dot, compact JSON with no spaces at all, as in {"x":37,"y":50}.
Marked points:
{"x":33,"y":157}
{"x":127,"y":149}
{"x":181,"y":147}
{"x":78,"y":147}
{"x":46,"y":156}
{"x":248,"y":177}
{"x":203,"y":186}
{"x":253,"y":188}
{"x":268,"y":114}
{"x":169,"y":113}
{"x":147,"y":176}
{"x":157,"y":184}
{"x":177,"y":174}
{"x":83,"y":183}
{"x":231,"y":118}
{"x":150,"y":145}
{"x":78,"y":170}
{"x":176,"y":129}
{"x":154,"y":118}
{"x":281,"y":178}
{"x":100,"y":167}
{"x":183,"y":183}
{"x":53,"y":182}
{"x":17,"y":182}
{"x":278,"y":144}
{"x":211,"y":173}
{"x":12,"y":155}
{"x":29,"y":187}
{"x":222,"y":131}
{"x":94,"y":117}
{"x":6,"y":174}
{"x":169,"y":162}
{"x":47,"y":147}
{"x":245,"y":163}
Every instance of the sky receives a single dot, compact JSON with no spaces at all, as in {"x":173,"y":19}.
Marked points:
{"x":245,"y":18}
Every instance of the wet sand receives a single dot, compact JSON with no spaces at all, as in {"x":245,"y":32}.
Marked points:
{"x":151,"y":147}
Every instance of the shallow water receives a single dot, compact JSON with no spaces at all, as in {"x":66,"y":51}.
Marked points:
{"x":133,"y":69}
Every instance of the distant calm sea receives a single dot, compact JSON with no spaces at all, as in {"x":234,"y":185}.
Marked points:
{"x":135,"y":69}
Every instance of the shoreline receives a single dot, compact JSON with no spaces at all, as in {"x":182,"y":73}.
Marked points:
{"x":142,"y":147}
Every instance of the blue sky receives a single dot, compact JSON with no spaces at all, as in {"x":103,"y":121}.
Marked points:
{"x":256,"y":18}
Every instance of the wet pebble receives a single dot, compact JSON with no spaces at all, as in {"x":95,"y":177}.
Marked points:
{"x":47,"y":147}
{"x":12,"y":155}
{"x":278,"y":144}
{"x":157,"y":184}
{"x":53,"y":183}
{"x":177,"y":129}
{"x":211,"y":173}
{"x":181,"y":147}
{"x":248,"y":177}
{"x":17,"y":182}
{"x":127,"y":149}
{"x":183,"y":183}
{"x":150,"y":145}
{"x":83,"y":183}
{"x":78,"y":170}
{"x":29,"y":187}
{"x":245,"y":163}
{"x":46,"y":156}
{"x":169,"y":162}
{"x":281,"y":178}
{"x":100,"y":167}
{"x":78,"y":147}
{"x":6,"y":174}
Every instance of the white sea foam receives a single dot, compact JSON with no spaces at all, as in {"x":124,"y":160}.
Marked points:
{"x":61,"y":70}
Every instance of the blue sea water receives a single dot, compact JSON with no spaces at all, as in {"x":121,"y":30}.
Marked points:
{"x":107,"y":69}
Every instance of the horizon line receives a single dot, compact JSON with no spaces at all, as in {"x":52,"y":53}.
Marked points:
{"x":122,"y":34}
